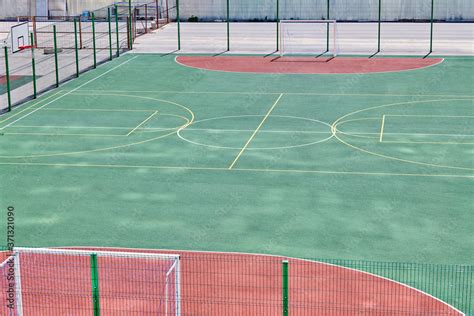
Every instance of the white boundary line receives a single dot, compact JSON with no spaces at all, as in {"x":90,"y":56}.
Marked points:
{"x":277,"y":256}
{"x":69,"y":92}
{"x":35,"y":103}
{"x":225,"y":169}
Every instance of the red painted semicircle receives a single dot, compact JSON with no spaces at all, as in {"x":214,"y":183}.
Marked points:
{"x":305,"y":65}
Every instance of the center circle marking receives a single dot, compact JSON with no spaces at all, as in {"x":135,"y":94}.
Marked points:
{"x":286,"y":117}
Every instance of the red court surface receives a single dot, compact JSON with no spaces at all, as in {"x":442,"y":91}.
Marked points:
{"x":215,"y":284}
{"x":3,"y":79}
{"x":305,"y":65}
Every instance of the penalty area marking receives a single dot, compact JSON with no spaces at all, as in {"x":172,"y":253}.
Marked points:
{"x":340,"y":120}
{"x":34,"y":104}
{"x":261,"y":132}
{"x":188,"y":122}
{"x":69,"y":92}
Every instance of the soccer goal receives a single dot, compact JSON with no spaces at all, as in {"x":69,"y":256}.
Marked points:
{"x":68,"y":282}
{"x":308,"y":37}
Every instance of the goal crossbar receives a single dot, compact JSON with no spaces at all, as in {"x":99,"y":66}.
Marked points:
{"x":81,"y":252}
{"x":328,"y":22}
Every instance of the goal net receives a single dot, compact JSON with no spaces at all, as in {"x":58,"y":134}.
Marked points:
{"x":308,"y":37}
{"x":73,"y":282}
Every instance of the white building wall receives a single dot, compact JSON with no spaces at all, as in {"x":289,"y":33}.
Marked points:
{"x":14,"y":8}
{"x":348,"y":10}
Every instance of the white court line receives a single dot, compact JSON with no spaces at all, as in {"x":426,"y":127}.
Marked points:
{"x":36,"y":103}
{"x":139,"y":125}
{"x":96,"y":110}
{"x":216,"y":130}
{"x":382,"y":128}
{"x":59,"y":134}
{"x":91,"y":127}
{"x":69,"y":92}
{"x":427,"y":142}
{"x":181,"y":168}
{"x":255,"y":132}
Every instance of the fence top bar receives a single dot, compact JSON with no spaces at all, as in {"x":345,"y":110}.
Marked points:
{"x":308,"y":21}
{"x":99,"y":253}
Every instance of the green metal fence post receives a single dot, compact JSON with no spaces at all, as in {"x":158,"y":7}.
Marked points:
{"x":7,"y":75}
{"x":93,"y":40}
{"x":327,"y":27}
{"x":110,"y":33}
{"x":117,"y":29}
{"x":95,"y":284}
{"x":56,"y":55}
{"x":178,"y":24}
{"x":228,"y":25}
{"x":379,"y":26}
{"x":131,"y":23}
{"x":278,"y":25}
{"x":76,"y":47}
{"x":33,"y":64}
{"x":285,"y":287}
{"x":431,"y":31}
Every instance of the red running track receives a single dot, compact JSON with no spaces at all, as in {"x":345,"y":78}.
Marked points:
{"x":305,"y":65}
{"x":217,"y":284}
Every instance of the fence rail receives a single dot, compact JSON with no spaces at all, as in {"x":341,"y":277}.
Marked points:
{"x":62,"y":48}
{"x":376,"y":12}
{"x":57,"y":282}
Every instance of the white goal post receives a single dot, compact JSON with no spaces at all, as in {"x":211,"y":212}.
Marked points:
{"x":330,"y":37}
{"x":61,"y":280}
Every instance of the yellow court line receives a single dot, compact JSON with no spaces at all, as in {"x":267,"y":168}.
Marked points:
{"x":96,"y":110}
{"x":327,"y":172}
{"x":90,"y":127}
{"x":289,"y":93}
{"x":382,"y":128}
{"x":255,"y":132}
{"x":341,"y":119}
{"x":58,"y":134}
{"x":139,"y":125}
{"x":407,"y":134}
{"x":36,"y":103}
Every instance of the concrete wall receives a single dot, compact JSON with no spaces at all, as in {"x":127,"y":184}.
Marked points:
{"x":349,"y":10}
{"x":76,"y":7}
{"x":14,"y":8}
